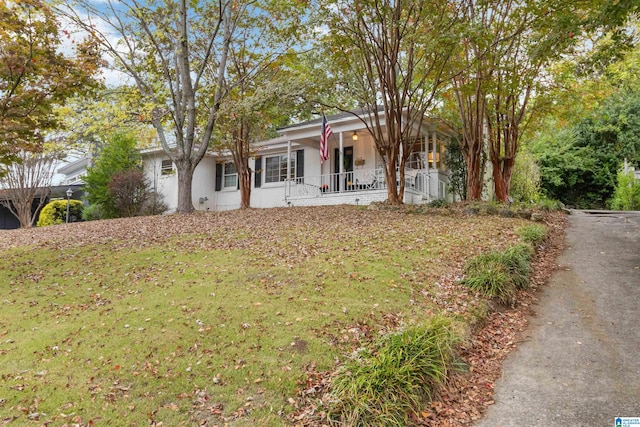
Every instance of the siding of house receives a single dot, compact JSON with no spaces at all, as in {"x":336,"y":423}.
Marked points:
{"x":268,"y":195}
{"x":203,"y":186}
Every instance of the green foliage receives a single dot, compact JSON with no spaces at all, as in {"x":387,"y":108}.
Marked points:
{"x":385,"y":384}
{"x":490,"y":279}
{"x":579,"y":164}
{"x":119,"y":154}
{"x":549,"y":204}
{"x":499,"y":274}
{"x":90,"y":120}
{"x":55,"y":212}
{"x":533,"y":234}
{"x":35,"y":75}
{"x":525,"y":181}
{"x":439,"y":203}
{"x":454,"y":159}
{"x":92,"y":213}
{"x":627,"y":193}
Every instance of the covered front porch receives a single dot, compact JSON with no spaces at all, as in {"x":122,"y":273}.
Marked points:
{"x":354,"y":173}
{"x":364,"y":186}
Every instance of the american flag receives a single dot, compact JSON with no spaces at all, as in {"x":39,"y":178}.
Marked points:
{"x":324,"y":139}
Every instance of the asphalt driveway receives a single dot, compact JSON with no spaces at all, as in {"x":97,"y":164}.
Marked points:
{"x":580,"y":362}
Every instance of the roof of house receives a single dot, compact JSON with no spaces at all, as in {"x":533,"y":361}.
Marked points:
{"x":74,"y":165}
{"x":332,"y":118}
{"x":54,"y":190}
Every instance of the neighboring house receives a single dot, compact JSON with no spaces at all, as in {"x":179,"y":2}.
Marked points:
{"x":287,"y":169}
{"x":9,"y":221}
{"x":74,"y":172}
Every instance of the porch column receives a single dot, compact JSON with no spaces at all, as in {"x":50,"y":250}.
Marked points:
{"x":287,"y":184}
{"x":288,"y":160}
{"x":340,"y":183}
{"x":435,"y":149}
{"x":426,"y":149}
{"x":436,"y":181}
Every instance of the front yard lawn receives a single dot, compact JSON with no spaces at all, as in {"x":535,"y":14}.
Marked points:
{"x":217,"y":317}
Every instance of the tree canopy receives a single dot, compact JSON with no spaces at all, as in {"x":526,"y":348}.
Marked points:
{"x":35,"y":75}
{"x":177,"y":54}
{"x":579,"y":165}
{"x":390,"y":57}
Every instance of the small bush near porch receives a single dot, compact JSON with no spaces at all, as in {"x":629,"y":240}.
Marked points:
{"x":219,"y":317}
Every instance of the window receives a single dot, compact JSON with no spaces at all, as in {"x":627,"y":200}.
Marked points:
{"x":230,"y":176}
{"x":276,"y":168}
{"x":167,"y":167}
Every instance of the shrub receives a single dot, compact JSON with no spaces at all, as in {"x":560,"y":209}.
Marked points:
{"x":55,"y":212}
{"x":525,"y":181}
{"x":518,"y":261}
{"x":533,"y":234}
{"x":132,"y":195}
{"x":155,"y":204}
{"x":384,"y":385}
{"x":549,"y":204}
{"x":120,"y":153}
{"x":92,"y":212}
{"x":129,"y":191}
{"x":489,"y":277}
{"x":626,"y":196}
{"x":499,"y":274}
{"x":438,"y":203}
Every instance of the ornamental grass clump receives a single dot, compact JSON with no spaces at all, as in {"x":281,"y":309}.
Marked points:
{"x":533,"y":234}
{"x":385,"y":384}
{"x":499,"y":274}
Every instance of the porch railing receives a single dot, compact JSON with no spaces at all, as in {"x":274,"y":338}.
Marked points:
{"x":358,"y":180}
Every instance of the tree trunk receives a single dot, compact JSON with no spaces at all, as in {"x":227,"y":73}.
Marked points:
{"x":475,"y":174}
{"x":244,"y":175}
{"x":392,"y":185}
{"x":24,"y":213}
{"x":502,"y":171}
{"x":185,"y":183}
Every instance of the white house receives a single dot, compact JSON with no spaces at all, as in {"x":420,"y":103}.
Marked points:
{"x":74,"y":171}
{"x":287,"y":169}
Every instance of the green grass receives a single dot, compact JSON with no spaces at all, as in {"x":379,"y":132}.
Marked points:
{"x":213,"y":317}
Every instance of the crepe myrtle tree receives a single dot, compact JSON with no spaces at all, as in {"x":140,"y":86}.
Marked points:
{"x":390,"y":56}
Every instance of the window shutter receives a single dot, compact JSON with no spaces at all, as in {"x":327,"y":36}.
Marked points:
{"x":258,"y":172}
{"x":300,"y":165}
{"x":218,"y":176}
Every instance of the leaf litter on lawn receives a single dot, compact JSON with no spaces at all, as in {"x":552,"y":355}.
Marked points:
{"x":214,"y":317}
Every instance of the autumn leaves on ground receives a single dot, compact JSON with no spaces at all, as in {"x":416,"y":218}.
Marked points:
{"x":237,"y":317}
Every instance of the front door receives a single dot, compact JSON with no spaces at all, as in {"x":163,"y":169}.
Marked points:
{"x":348,"y":182}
